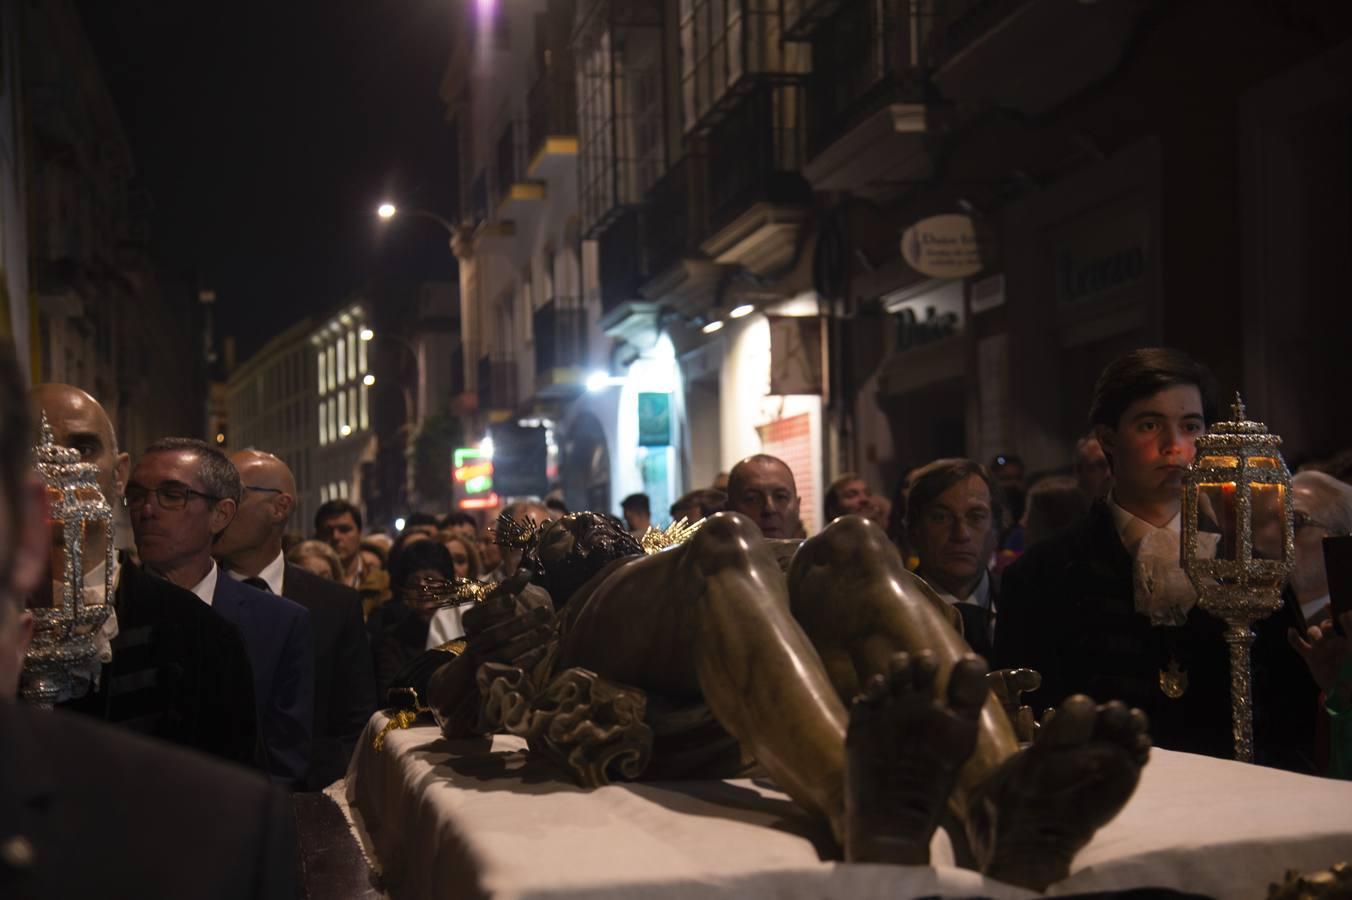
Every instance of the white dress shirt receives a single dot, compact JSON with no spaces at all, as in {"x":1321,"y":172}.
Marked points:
{"x":206,"y":588}
{"x":272,"y":574}
{"x":1162,"y":590}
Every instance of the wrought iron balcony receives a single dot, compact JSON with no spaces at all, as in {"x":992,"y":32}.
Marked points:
{"x":868,"y":55}
{"x":478,"y":199}
{"x":674,"y":219}
{"x":552,"y":122}
{"x":560,"y":330}
{"x":728,"y":49}
{"x":497,"y":382}
{"x":802,"y":17}
{"x":620,"y":250}
{"x":618,"y":49}
{"x":755,"y":154}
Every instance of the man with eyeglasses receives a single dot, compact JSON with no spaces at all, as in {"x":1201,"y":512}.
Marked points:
{"x":953,"y":516}
{"x":250,"y":550}
{"x":181,"y":496}
{"x":178,"y":672}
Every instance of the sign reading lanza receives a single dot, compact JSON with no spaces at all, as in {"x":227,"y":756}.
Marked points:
{"x":942,"y":246}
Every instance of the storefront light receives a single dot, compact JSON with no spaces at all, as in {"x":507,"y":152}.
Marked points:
{"x":366,"y":334}
{"x":745,"y":309}
{"x":715,"y":325}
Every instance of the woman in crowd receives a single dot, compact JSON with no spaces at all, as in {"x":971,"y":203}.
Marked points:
{"x":464,"y":554}
{"x":317,"y":558}
{"x":420,"y":574}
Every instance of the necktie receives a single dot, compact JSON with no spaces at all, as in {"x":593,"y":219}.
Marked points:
{"x":256,"y":582}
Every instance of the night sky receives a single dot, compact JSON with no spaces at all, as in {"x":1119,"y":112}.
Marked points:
{"x":265,"y":134}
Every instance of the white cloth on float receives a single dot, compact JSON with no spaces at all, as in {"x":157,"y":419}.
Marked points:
{"x":479,"y":818}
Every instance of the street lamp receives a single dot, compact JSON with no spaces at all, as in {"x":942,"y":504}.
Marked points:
{"x":388,"y":211}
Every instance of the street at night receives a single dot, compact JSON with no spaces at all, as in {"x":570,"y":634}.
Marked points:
{"x":568,"y":448}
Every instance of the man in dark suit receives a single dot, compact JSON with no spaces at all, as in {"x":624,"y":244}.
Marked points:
{"x":250,"y":550}
{"x":88,"y":811}
{"x":1105,"y":608}
{"x":179,"y":672}
{"x":953,"y":519}
{"x":181,"y":495}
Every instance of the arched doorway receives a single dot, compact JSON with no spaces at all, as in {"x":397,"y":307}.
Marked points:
{"x":585,"y":468}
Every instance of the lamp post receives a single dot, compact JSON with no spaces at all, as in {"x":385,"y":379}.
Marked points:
{"x":1238,"y":543}
{"x":388,"y":210}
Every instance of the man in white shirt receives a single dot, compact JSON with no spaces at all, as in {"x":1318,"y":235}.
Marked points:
{"x":953,"y":518}
{"x":250,"y":550}
{"x":1105,"y":608}
{"x":182,"y":494}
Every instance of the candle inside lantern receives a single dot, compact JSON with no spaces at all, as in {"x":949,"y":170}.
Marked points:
{"x":1218,"y":514}
{"x":1269,"y":521}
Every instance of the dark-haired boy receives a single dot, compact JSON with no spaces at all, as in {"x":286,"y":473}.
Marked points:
{"x":1105,"y":609}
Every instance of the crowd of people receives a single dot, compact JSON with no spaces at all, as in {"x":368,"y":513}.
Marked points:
{"x":247,"y":642}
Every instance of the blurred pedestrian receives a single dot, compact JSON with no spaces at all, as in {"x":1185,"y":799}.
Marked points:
{"x":317,"y":558}
{"x":637,"y":513}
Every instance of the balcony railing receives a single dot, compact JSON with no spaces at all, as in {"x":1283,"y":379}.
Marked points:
{"x":802,"y":17}
{"x":478,"y":199}
{"x":552,"y":106}
{"x":620,"y":249}
{"x":870,"y":53}
{"x":674,"y":216}
{"x":505,"y":161}
{"x":755,"y":154}
{"x":560,"y":328}
{"x":497,"y":381}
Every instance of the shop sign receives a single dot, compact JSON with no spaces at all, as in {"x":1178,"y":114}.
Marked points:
{"x":654,"y":420}
{"x":1101,"y":255}
{"x":1081,"y":278}
{"x":473,"y":476}
{"x":942,"y":246}
{"x":926,"y":313}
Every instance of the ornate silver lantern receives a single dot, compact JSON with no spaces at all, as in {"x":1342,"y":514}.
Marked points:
{"x":1238,"y":543}
{"x":68,"y":610}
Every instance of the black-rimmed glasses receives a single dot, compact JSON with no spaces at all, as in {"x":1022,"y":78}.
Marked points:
{"x":1301,"y":519}
{"x":168,"y":496}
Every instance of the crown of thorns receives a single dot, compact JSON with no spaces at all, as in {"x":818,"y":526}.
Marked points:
{"x":520,"y":534}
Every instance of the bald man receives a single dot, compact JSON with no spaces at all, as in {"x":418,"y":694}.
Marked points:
{"x":250,"y":550}
{"x":179,"y":672}
{"x":762,"y":488}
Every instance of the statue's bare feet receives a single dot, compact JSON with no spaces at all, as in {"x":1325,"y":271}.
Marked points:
{"x":1036,"y":811}
{"x":904,"y":748}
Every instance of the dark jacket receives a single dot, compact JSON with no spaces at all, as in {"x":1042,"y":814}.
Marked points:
{"x":179,"y":672}
{"x":345,"y":684}
{"x":1067,"y":610}
{"x":276,"y":633}
{"x":397,"y":646}
{"x":111,"y":814}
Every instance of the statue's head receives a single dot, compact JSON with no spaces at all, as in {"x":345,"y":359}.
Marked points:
{"x":572,"y":549}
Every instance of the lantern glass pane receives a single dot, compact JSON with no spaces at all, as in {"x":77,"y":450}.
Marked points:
{"x":1269,"y":521}
{"x":1216,"y":515}
{"x":1220,"y":462}
{"x":1263,"y":462}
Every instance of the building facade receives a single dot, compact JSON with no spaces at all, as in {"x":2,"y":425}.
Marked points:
{"x":272,"y":404}
{"x":339,"y":364}
{"x":734,"y":186}
{"x":97,"y":315}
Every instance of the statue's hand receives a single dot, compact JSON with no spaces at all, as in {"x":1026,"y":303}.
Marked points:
{"x":511,"y":626}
